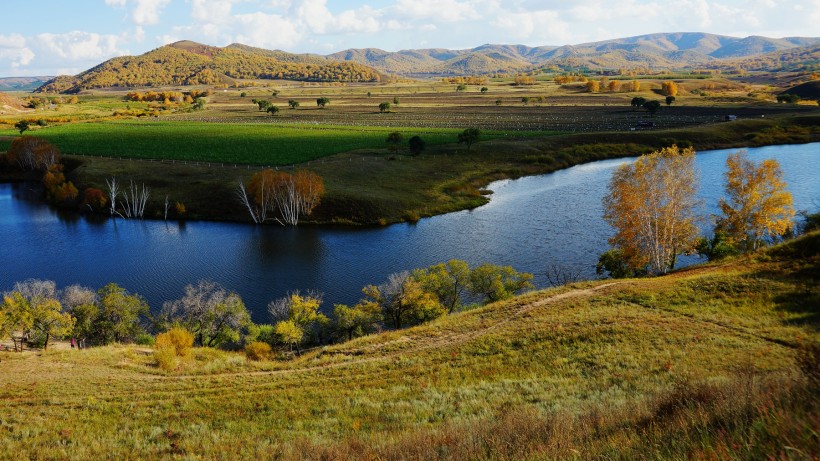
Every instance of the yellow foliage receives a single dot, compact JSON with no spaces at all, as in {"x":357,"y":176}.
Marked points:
{"x":651,"y":204}
{"x":669,"y":88}
{"x":177,"y":339}
{"x":758,"y":207}
{"x":257,"y":351}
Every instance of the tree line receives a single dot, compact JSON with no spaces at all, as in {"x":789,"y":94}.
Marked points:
{"x":652,"y":206}
{"x":36,"y":312}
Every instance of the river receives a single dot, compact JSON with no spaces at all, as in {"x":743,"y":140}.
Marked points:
{"x":529,"y":224}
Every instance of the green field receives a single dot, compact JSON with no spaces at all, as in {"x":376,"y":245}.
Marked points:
{"x":706,"y":363}
{"x":242,"y":143}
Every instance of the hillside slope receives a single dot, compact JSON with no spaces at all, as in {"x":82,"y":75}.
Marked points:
{"x":698,"y":364}
{"x":190,"y":63}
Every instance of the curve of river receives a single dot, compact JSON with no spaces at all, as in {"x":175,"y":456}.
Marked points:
{"x":528,"y":224}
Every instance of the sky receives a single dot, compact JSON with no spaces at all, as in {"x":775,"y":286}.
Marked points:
{"x":52,"y":37}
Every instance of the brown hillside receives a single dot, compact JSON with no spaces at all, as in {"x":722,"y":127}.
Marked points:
{"x":10,"y":104}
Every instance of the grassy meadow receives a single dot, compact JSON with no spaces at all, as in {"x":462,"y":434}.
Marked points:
{"x":527,"y":129}
{"x":709,"y":362}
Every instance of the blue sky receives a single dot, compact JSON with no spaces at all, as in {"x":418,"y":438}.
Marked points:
{"x":51,"y":37}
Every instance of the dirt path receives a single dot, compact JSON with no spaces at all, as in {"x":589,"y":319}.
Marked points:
{"x":447,"y":340}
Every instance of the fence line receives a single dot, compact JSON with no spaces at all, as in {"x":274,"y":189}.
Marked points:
{"x":247,"y":166}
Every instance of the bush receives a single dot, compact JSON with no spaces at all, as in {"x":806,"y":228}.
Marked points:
{"x":145,"y":340}
{"x":165,"y":358}
{"x":177,"y":339}
{"x":257,"y":351}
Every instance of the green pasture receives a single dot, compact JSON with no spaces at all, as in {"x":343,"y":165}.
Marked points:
{"x":250,"y":143}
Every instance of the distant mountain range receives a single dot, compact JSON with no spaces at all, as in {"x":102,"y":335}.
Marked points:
{"x":187,"y":62}
{"x":22,"y":83}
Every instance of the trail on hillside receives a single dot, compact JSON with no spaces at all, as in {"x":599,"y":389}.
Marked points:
{"x":445,"y":340}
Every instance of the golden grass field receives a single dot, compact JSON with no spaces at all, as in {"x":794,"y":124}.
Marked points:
{"x":709,"y":362}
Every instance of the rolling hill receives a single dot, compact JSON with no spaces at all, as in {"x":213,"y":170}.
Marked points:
{"x":22,"y":83}
{"x":190,"y":63}
{"x":711,"y":362}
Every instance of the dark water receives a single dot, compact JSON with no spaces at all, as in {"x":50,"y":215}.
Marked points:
{"x":529,"y":223}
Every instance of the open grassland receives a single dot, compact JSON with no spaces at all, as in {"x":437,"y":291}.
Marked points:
{"x":707,"y":363}
{"x":255,"y":143}
{"x":375,"y":185}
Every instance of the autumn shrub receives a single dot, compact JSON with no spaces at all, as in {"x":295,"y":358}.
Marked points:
{"x":178,"y":339}
{"x":257,"y":351}
{"x":166,"y":358}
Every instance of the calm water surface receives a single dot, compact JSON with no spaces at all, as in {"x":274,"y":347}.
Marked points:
{"x":529,"y":223}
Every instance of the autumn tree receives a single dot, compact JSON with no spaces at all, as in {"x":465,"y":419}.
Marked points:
{"x":16,"y":318}
{"x":669,"y":88}
{"x":403,"y":301}
{"x":651,"y":204}
{"x":121,"y":315}
{"x":593,"y":86}
{"x":448,"y":281}
{"x":614,"y":86}
{"x":758,"y":208}
{"x":31,"y":153}
{"x":50,"y":320}
{"x":214,"y":315}
{"x":495,"y":283}
{"x":291,"y":195}
{"x":358,"y":320}
{"x":302,"y":312}
{"x":34,"y":308}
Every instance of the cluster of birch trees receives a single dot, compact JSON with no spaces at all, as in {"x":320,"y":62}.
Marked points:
{"x":652,"y":206}
{"x":281,"y":196}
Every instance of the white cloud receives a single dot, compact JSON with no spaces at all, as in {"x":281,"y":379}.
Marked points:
{"x":144,"y":12}
{"x":437,"y":10}
{"x":148,"y":11}
{"x":77,"y":45}
{"x":266,"y":31}
{"x":13,"y":50}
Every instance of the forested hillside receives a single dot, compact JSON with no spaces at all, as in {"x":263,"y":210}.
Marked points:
{"x":188,"y":63}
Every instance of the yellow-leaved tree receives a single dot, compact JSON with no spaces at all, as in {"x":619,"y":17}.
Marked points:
{"x":759,"y":208}
{"x":652,"y":205}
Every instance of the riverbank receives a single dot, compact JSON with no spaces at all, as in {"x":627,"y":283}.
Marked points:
{"x":378,"y":187}
{"x":718,"y":360}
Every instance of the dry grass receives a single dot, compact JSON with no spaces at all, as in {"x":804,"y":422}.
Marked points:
{"x":700,"y":363}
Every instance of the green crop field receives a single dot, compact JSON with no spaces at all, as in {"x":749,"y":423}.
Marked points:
{"x":256,"y":144}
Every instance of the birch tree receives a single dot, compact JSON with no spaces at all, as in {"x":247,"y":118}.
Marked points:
{"x":652,"y":205}
{"x":291,"y":196}
{"x":210,"y":312}
{"x":759,"y":207}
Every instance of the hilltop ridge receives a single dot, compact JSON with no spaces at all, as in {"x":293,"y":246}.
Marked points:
{"x":190,"y":63}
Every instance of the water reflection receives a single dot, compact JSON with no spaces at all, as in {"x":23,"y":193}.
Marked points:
{"x":529,"y":223}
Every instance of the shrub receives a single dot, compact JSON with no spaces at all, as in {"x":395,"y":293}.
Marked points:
{"x":257,"y":351}
{"x":178,"y":339}
{"x":145,"y":340}
{"x":165,"y":358}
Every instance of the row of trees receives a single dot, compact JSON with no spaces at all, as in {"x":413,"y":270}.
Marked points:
{"x":35,"y":311}
{"x":652,"y":206}
{"x":404,"y":299}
